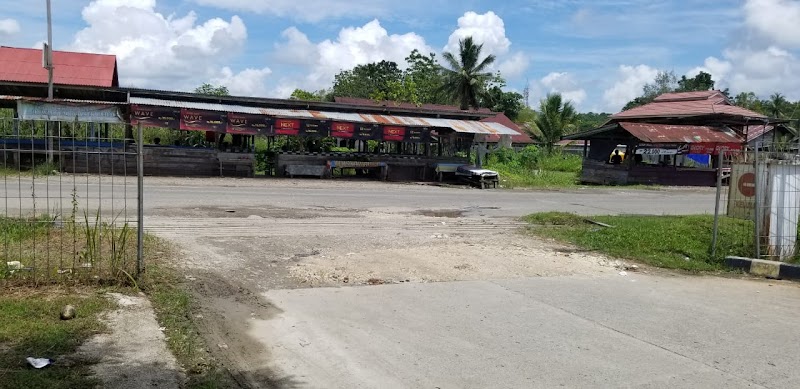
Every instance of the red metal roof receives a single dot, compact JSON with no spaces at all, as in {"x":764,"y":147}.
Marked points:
{"x":669,"y":133}
{"x":396,"y":104}
{"x":501,"y":118}
{"x":687,"y":104}
{"x":82,"y":69}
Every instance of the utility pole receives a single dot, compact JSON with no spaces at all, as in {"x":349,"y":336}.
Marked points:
{"x":48,"y":61}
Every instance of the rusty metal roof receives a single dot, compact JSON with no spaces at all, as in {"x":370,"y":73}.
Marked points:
{"x":669,"y":133}
{"x":57,"y":100}
{"x":465,"y":126}
{"x":84,"y":69}
{"x":687,"y":104}
{"x":396,"y":104}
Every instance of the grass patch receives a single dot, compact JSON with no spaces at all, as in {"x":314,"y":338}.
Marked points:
{"x":663,"y":241}
{"x":30,"y":327}
{"x":175,"y":309}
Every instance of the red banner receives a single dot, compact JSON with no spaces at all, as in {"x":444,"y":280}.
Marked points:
{"x":713,"y":148}
{"x":164,"y":117}
{"x":394,"y":134}
{"x":287,"y":127}
{"x":192,"y":120}
{"x":342,"y":130}
{"x":249,"y":124}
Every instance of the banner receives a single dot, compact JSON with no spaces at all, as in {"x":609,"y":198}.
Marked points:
{"x":163,"y":117}
{"x":250,"y":124}
{"x":713,"y":148}
{"x":342,"y":130}
{"x":418,"y":134}
{"x":68,"y":112}
{"x":192,"y":120}
{"x":317,"y":128}
{"x":367,"y":132}
{"x":662,"y":149}
{"x":394,"y":134}
{"x":287,"y":127}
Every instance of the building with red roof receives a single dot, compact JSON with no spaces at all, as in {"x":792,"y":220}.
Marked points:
{"x":666,"y":138}
{"x":74,"y":69}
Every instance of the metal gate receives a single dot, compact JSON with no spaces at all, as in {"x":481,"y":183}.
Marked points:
{"x":72,"y":202}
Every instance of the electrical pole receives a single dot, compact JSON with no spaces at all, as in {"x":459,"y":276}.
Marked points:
{"x":49,"y":53}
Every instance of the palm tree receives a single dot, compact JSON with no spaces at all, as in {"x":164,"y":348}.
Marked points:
{"x":466,"y":81}
{"x":776,"y":105}
{"x":555,"y":118}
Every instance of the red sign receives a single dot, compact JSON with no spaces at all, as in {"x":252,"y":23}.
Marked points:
{"x":342,"y":130}
{"x":287,"y":127}
{"x":164,"y":117}
{"x":713,"y":148}
{"x":192,"y":120}
{"x":394,"y":134}
{"x":747,"y":184}
{"x":249,"y":124}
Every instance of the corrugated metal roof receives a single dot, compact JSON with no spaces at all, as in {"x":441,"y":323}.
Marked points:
{"x":521,"y":138}
{"x":668,"y":133}
{"x":55,"y":100}
{"x":465,"y":126}
{"x":84,"y":69}
{"x":396,"y":104}
{"x":687,"y":104}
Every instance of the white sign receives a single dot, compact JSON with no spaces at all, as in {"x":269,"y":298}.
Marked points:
{"x":657,"y":151}
{"x":67,"y":112}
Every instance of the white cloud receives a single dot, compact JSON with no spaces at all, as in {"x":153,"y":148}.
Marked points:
{"x":630,"y":80}
{"x":565,"y":84}
{"x":248,"y":82}
{"x":776,"y":20}
{"x":8,"y":27}
{"x":718,"y":69}
{"x":306,"y":10}
{"x":354,"y":46}
{"x":487,"y":29}
{"x":514,"y":66}
{"x":762,"y":71}
{"x":157,"y":51}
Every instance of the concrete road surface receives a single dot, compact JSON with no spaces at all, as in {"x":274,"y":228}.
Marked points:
{"x":576,"y":332}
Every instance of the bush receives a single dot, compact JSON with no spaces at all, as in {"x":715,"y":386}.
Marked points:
{"x":532,"y":167}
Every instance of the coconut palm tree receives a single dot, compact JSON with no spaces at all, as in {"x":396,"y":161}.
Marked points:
{"x":776,"y":105}
{"x":556,"y":117}
{"x":466,"y":79}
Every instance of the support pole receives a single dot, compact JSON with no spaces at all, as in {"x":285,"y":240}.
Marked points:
{"x":716,"y":208}
{"x":140,"y":201}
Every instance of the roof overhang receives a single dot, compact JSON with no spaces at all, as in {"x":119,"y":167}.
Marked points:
{"x":461,"y":126}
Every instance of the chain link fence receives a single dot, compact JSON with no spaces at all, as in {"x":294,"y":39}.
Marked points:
{"x":758,"y":203}
{"x":71,"y":210}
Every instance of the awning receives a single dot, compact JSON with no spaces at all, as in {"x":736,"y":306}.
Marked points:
{"x":672,"y":133}
{"x":462,"y":126}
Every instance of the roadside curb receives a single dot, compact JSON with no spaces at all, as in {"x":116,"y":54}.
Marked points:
{"x":768,"y":269}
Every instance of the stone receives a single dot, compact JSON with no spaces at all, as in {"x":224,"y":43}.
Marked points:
{"x":68,"y":312}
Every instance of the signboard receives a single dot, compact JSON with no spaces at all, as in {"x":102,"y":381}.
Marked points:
{"x":192,"y":120}
{"x":318,"y":128}
{"x":418,"y":134}
{"x":287,"y":127}
{"x":662,"y":149}
{"x":67,"y":112}
{"x":741,"y":197}
{"x":367,"y":132}
{"x":713,"y":148}
{"x":149,"y":116}
{"x":249,"y":124}
{"x":394,"y":134}
{"x":342,"y":130}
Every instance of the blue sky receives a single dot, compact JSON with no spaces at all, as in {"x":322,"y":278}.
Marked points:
{"x":596,"y":53}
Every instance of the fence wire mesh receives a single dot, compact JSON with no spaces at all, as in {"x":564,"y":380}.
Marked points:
{"x":70,"y":205}
{"x":758,"y":203}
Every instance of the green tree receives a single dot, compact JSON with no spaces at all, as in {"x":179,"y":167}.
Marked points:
{"x":424,"y":76}
{"x":367,"y":81}
{"x":702,"y":81}
{"x":776,"y":106}
{"x":466,"y":79}
{"x":212,"y":90}
{"x":590,"y":120}
{"x":509,"y":103}
{"x":664,"y":82}
{"x":300,"y":94}
{"x":556,"y":117}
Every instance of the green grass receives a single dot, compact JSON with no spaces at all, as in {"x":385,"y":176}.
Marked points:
{"x":175,"y":309}
{"x":30,"y":326}
{"x":673,"y":242}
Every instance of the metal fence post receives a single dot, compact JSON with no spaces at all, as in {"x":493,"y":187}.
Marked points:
{"x":721,"y":157}
{"x":140,"y":200}
{"x":757,"y":203}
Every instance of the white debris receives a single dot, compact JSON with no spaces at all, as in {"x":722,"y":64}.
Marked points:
{"x":38,"y":363}
{"x":623,"y":273}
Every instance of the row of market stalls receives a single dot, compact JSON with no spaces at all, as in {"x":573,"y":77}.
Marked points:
{"x":678,"y":139}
